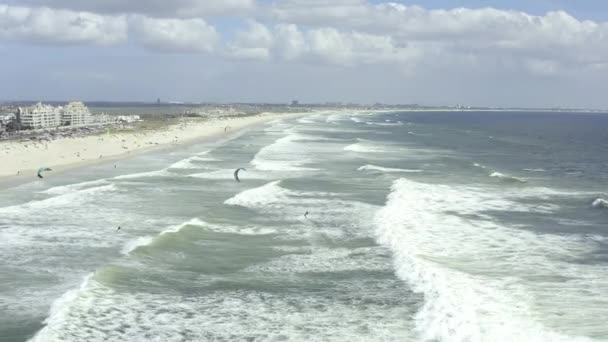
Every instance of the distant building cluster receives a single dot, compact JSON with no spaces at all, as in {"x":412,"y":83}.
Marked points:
{"x":41,"y":116}
{"x":214,"y":111}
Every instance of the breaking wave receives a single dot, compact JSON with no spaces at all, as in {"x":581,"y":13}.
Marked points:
{"x":385,"y":123}
{"x":66,"y":189}
{"x":334,"y":118}
{"x":478,"y":277}
{"x":365,"y":146}
{"x":282,"y":155}
{"x":132,"y":245}
{"x":226,"y":174}
{"x":600,"y":203}
{"x":143,"y":241}
{"x":385,"y":169}
{"x":306,"y":121}
{"x":158,"y":173}
{"x":58,"y":314}
{"x":506,"y":178}
{"x":261,"y":196}
{"x":190,"y":163}
{"x":77,"y":197}
{"x":468,"y":270}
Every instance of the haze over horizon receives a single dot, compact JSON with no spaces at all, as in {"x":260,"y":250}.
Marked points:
{"x":551,"y":53}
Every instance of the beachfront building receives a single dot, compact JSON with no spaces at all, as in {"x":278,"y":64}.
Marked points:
{"x":6,"y":119}
{"x":40,"y":116}
{"x":102,"y":119}
{"x":76,"y":114}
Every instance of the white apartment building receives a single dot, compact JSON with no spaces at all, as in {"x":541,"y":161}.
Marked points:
{"x":76,"y":114}
{"x":47,"y":116}
{"x":40,"y":116}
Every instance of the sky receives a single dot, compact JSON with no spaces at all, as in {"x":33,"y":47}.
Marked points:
{"x":542,"y":53}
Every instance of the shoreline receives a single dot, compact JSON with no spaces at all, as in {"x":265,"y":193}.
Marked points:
{"x":20,"y":160}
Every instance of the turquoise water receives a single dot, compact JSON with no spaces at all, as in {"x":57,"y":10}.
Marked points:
{"x":420,"y":227}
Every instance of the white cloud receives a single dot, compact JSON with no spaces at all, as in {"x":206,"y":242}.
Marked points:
{"x":249,"y":53}
{"x":290,"y":42}
{"x":254,"y":42}
{"x":319,"y":12}
{"x":349,"y":32}
{"x":425,"y":49}
{"x":331,"y":45}
{"x":542,"y":67}
{"x":257,"y":35}
{"x":154,"y":8}
{"x":181,"y":35}
{"x":486,"y":33}
{"x":326,"y":45}
{"x":43,"y":25}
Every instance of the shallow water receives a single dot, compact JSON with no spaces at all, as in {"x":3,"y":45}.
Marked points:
{"x":421,"y":227}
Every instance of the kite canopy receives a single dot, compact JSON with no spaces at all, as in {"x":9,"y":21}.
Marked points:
{"x":236,"y":174}
{"x":43,"y":169}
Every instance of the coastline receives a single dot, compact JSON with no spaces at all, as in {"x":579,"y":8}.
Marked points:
{"x":19,"y":160}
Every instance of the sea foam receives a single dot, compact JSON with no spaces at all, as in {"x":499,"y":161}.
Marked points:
{"x":283,"y":155}
{"x":473,"y":272}
{"x":59,"y":312}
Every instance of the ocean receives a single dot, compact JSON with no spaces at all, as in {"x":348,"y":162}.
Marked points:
{"x":405,"y":226}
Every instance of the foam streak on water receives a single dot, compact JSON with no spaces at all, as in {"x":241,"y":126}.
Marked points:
{"x":386,"y":169}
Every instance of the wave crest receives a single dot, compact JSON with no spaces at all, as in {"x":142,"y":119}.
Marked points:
{"x":59,"y":312}
{"x":261,"y":196}
{"x":473,"y":272}
{"x":386,"y":169}
{"x":506,"y":178}
{"x":600,"y":203}
{"x":143,"y":241}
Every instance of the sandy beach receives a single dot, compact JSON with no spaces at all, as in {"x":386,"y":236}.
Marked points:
{"x":24,"y":158}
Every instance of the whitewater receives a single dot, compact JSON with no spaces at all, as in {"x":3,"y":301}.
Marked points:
{"x":344,"y":227}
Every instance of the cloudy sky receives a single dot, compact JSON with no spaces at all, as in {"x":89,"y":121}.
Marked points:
{"x":479,"y":52}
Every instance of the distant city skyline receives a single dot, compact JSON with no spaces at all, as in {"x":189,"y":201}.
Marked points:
{"x":495,"y":53}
